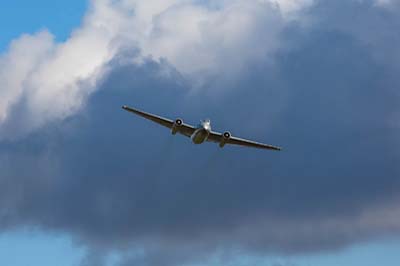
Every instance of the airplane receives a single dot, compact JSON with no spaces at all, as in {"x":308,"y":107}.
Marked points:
{"x":201,"y":133}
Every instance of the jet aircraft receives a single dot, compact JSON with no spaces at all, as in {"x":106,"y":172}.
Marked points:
{"x":201,"y":133}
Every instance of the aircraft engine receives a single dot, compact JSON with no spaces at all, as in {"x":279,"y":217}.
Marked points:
{"x":225,"y":137}
{"x":175,"y":128}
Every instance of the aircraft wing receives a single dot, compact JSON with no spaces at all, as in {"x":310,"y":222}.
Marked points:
{"x":184,"y":129}
{"x":218,"y":137}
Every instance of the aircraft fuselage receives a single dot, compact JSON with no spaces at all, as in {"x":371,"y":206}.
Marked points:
{"x":202,"y":132}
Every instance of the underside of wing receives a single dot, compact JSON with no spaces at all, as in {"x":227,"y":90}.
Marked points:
{"x":184,"y":129}
{"x":250,"y":143}
{"x":155,"y":118}
{"x":227,"y":138}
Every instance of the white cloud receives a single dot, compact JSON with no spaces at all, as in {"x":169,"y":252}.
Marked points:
{"x":52,"y":79}
{"x":217,"y":37}
{"x":24,"y":55}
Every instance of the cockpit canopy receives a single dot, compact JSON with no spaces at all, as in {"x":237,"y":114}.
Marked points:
{"x":206,"y":123}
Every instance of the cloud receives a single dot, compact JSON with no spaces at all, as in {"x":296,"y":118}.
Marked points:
{"x":47,"y":81}
{"x":51,"y":81}
{"x":324,"y":87}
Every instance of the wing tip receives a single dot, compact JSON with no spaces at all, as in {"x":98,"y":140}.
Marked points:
{"x":275,"y":148}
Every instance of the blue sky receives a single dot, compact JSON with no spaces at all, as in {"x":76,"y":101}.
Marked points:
{"x":77,"y":167}
{"x":29,"y":247}
{"x":22,"y":16}
{"x":35,"y":248}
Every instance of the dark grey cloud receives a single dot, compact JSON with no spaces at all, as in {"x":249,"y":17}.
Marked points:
{"x":118,"y":182}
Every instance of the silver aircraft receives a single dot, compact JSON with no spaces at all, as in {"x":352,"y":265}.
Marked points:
{"x":201,"y":133}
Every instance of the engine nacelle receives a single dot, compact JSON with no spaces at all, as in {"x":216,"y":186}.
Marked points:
{"x":225,"y":137}
{"x":177,"y":124}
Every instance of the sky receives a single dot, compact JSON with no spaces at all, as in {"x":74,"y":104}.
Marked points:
{"x":60,"y":18}
{"x":84,"y":183}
